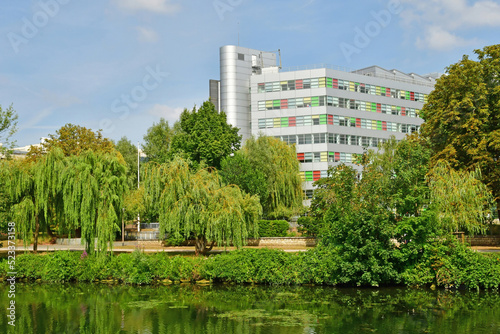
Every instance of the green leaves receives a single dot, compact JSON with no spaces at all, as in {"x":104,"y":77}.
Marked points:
{"x":463,"y":116}
{"x":460,"y":198}
{"x":205,"y":136}
{"x":196,"y":203}
{"x":83,"y":191}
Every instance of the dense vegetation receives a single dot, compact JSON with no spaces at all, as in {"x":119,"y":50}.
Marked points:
{"x":449,"y":265}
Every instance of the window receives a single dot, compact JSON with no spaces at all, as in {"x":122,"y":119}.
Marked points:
{"x":241,"y":56}
{"x":319,"y":138}
{"x":308,"y":194}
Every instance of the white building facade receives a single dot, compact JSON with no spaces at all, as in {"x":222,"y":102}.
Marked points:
{"x":330,"y":115}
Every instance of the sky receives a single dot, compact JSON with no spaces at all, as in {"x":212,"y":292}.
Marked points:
{"x":121,"y":65}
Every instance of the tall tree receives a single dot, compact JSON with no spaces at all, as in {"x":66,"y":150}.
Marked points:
{"x":461,"y":200}
{"x":462,"y":117}
{"x":239,"y":171}
{"x":129,"y":154}
{"x":8,"y":126}
{"x":205,"y":136}
{"x":278,"y":162}
{"x":157,"y":142}
{"x":34,"y":191}
{"x":93,"y":186}
{"x":197,"y":203}
{"x":83,"y":191}
{"x":75,"y":139}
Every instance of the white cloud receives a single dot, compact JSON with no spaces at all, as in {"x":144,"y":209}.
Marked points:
{"x":436,"y":38}
{"x":169,"y":113}
{"x":156,"y":6}
{"x":441,"y":22}
{"x":147,"y":34}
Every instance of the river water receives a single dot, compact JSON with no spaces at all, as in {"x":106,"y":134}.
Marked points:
{"x":232,"y":309}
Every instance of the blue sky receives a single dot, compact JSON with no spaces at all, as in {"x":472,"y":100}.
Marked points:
{"x":120,"y":65}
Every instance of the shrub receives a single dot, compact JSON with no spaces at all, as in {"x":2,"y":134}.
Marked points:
{"x":308,"y":226}
{"x":273,"y":228}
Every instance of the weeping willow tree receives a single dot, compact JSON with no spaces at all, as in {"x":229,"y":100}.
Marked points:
{"x":461,"y":200}
{"x":93,"y":186}
{"x":197,"y":204}
{"x":73,"y":192}
{"x":278,"y":161}
{"x":33,"y":191}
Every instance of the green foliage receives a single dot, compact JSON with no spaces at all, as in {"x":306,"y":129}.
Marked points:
{"x":238,"y":170}
{"x":93,"y":186}
{"x":157,"y":142}
{"x":273,"y":228}
{"x":309,"y":226}
{"x":133,"y":203}
{"x":265,"y":266}
{"x":205,"y":136}
{"x":462,"y":117}
{"x":278,"y":162}
{"x":8,"y":126}
{"x":80,"y":191}
{"x":444,"y":263}
{"x":129,"y":154}
{"x":196,"y":203}
{"x":74,"y":140}
{"x":462,"y":200}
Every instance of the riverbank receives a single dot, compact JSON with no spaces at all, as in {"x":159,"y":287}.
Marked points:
{"x":452,"y":266}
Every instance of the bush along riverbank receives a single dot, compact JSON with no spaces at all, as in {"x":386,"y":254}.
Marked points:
{"x":448,"y":265}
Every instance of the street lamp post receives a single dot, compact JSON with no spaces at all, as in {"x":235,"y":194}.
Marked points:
{"x":138,"y":185}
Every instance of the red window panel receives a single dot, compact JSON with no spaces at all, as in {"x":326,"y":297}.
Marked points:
{"x":358,"y":122}
{"x":335,"y":83}
{"x":330,"y":119}
{"x":291,"y":121}
{"x":284,"y":104}
{"x":300,"y":157}
{"x":337,"y":156}
{"x":379,"y":107}
{"x":403,"y":111}
{"x":388,"y":92}
{"x":298,"y":84}
{"x":412,"y":96}
{"x":316,"y":175}
{"x":384,"y":126}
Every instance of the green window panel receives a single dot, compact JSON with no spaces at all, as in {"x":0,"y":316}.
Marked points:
{"x":407,"y":95}
{"x":284,"y":122}
{"x":315,"y":101}
{"x":374,"y":106}
{"x":309,"y":176}
{"x":276,"y":103}
{"x":379,"y":125}
{"x":322,"y":119}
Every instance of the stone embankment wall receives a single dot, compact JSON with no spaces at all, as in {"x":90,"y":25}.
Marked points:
{"x":484,"y":240}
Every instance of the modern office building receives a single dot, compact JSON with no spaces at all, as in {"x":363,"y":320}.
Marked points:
{"x":329,"y":113}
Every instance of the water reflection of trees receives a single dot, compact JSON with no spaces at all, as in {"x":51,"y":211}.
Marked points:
{"x":87,"y":308}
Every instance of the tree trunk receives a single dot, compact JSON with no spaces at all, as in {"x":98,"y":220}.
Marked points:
{"x":201,"y":245}
{"x":498,"y":207}
{"x":37,"y":229}
{"x":49,"y":232}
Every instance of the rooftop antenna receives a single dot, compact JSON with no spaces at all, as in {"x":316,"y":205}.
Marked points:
{"x":238,"y":34}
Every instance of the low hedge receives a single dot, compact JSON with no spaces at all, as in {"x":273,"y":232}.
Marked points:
{"x":273,"y":228}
